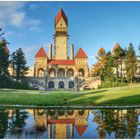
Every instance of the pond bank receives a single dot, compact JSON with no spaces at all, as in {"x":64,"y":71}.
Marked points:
{"x":71,"y":107}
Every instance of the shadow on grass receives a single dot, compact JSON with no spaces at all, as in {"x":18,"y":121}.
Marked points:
{"x":85,"y":101}
{"x":92,"y":92}
{"x":128,"y":100}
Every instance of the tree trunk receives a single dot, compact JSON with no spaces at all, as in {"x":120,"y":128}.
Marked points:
{"x":121,"y":70}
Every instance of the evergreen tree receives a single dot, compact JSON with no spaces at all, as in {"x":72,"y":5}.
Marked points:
{"x":107,"y":71}
{"x":4,"y":61}
{"x":131,"y":63}
{"x":19,"y":63}
{"x":3,"y":122}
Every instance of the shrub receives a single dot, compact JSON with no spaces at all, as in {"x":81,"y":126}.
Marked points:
{"x":9,"y":83}
{"x":107,"y":84}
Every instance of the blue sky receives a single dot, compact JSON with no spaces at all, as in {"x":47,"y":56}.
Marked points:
{"x":92,"y":25}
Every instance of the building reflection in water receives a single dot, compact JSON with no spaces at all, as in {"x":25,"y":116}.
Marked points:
{"x":61,"y":123}
{"x":57,"y":123}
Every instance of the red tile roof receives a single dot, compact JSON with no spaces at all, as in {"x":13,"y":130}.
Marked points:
{"x":61,"y":62}
{"x":61,"y":121}
{"x":81,"y":129}
{"x":59,"y":15}
{"x":81,"y":54}
{"x":41,"y":53}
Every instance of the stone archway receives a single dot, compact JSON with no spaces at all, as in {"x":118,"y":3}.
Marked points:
{"x":41,"y":72}
{"x":51,"y":85}
{"x":61,"y":85}
{"x":81,"y":73}
{"x":52,"y":72}
{"x":71,"y":84}
{"x":61,"y":73}
{"x":70,"y":72}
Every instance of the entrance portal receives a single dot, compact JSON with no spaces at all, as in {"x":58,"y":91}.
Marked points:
{"x":61,"y":84}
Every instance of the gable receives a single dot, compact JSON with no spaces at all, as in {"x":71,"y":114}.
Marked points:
{"x":61,"y":23}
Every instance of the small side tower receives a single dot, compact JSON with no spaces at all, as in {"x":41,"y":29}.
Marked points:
{"x":81,"y":63}
{"x":72,"y":52}
{"x":50,"y":52}
{"x":41,"y":60}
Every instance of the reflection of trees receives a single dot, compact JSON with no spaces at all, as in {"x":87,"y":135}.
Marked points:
{"x":132,"y":118}
{"x":18,"y":121}
{"x":120,"y":122}
{"x":3,"y":122}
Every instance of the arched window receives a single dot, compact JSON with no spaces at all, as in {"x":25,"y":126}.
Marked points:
{"x":81,"y":73}
{"x":70,"y":73}
{"x":71,"y":84}
{"x":41,"y":112}
{"x":61,"y":73}
{"x":52,"y":72}
{"x":41,"y":73}
{"x":61,"y":84}
{"x":81,"y":112}
{"x":51,"y":84}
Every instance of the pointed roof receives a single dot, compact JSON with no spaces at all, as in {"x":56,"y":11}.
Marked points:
{"x":81,"y":54}
{"x":59,"y":15}
{"x":81,"y":129}
{"x":41,"y":53}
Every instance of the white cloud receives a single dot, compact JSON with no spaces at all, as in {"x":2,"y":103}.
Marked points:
{"x":13,"y":14}
{"x":10,"y":13}
{"x":33,"y":6}
{"x":9,"y":33}
{"x":30,"y":52}
{"x":33,"y":24}
{"x":17,"y":18}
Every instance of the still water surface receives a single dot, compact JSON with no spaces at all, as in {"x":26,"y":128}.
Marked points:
{"x":54,"y":123}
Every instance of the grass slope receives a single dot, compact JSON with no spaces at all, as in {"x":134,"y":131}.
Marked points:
{"x":110,"y":96}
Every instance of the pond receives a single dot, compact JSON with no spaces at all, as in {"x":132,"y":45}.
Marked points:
{"x":54,"y":123}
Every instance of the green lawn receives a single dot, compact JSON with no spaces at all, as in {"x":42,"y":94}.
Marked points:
{"x":108,"y":96}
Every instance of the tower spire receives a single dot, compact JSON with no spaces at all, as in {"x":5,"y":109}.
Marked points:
{"x":59,"y":15}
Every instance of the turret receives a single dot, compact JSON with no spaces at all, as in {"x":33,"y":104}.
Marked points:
{"x":81,"y":57}
{"x":81,"y":61}
{"x":72,"y":52}
{"x":41,"y":59}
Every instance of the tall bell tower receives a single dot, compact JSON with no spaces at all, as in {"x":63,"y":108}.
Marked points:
{"x":61,"y":36}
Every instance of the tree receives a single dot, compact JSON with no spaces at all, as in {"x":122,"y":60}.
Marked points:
{"x":101,"y":57}
{"x":4,"y":61}
{"x":118,"y":55}
{"x":107,"y":71}
{"x":131,"y":63}
{"x":19,"y":63}
{"x":3,"y":122}
{"x":18,"y":122}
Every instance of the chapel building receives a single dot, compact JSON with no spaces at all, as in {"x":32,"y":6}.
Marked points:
{"x":58,"y":68}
